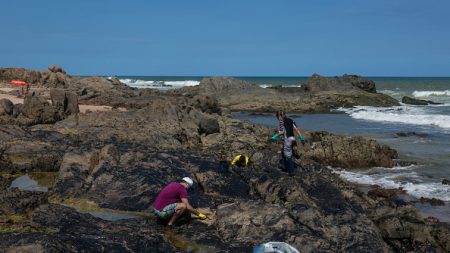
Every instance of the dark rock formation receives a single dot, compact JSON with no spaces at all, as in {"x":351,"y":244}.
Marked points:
{"x":209,"y":126}
{"x":39,"y":110}
{"x":414,"y":101}
{"x":214,"y":85}
{"x":432,"y":201}
{"x":6,"y":107}
{"x":446,"y":181}
{"x":319,"y":83}
{"x":71,"y":231}
{"x":348,"y":152}
{"x":29,"y":76}
{"x":121,"y":159}
{"x":66,"y":102}
{"x":409,"y":134}
{"x":15,"y":201}
{"x":56,"y":69}
{"x":319,"y":94}
{"x":405,"y":231}
{"x":390,"y":194}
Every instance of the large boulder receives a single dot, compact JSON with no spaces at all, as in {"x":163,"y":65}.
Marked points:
{"x":347,"y":152}
{"x":209,"y":125}
{"x":66,"y":102}
{"x":56,"y":69}
{"x":40,"y":110}
{"x":6,"y":106}
{"x":406,"y":231}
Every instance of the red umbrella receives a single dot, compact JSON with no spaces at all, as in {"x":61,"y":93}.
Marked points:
{"x":18,"y":83}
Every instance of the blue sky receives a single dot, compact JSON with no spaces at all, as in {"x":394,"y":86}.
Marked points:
{"x":228,"y":37}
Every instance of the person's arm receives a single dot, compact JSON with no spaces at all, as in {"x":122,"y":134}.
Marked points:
{"x":189,"y":207}
{"x":299,"y":134}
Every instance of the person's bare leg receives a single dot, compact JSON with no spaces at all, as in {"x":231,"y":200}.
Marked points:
{"x":179,"y":210}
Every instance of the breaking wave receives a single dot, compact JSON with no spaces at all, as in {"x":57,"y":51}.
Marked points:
{"x":137,"y":83}
{"x":397,"y":177}
{"x":431,"y":93}
{"x":399,"y":114}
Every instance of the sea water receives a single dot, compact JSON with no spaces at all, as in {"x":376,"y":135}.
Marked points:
{"x":427,"y":128}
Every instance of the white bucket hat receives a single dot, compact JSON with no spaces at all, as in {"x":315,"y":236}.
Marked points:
{"x":188,"y":180}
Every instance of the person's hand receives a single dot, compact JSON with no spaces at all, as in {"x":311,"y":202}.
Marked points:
{"x":201,"y":216}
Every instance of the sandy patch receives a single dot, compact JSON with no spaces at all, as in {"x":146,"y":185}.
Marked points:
{"x":13,"y":99}
{"x":83,"y":108}
{"x":98,"y":108}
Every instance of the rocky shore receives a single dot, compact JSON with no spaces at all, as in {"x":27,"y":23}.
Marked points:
{"x":116,"y":161}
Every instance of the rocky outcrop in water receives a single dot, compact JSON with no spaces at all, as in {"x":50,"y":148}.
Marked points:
{"x":318,"y":83}
{"x":414,"y":101}
{"x":319,"y":94}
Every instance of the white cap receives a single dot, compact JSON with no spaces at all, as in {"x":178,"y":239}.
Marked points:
{"x":188,"y":180}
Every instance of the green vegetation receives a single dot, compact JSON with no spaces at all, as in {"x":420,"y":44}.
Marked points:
{"x":86,"y":205}
{"x":46,"y":179}
{"x":13,"y":218}
{"x":20,"y":158}
{"x":70,"y":132}
{"x":15,"y":223}
{"x":14,"y":228}
{"x":185,"y":244}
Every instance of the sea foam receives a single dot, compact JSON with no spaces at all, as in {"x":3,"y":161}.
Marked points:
{"x":137,"y":83}
{"x":399,"y":114}
{"x":431,"y":93}
{"x":415,"y":188}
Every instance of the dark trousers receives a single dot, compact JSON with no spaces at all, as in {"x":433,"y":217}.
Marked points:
{"x":289,"y":165}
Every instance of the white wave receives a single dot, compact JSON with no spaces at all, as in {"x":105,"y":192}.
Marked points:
{"x":136,"y":83}
{"x":431,"y":93}
{"x":182,"y":83}
{"x":412,"y":115}
{"x":390,"y":92}
{"x":272,"y":85}
{"x":417,"y":189}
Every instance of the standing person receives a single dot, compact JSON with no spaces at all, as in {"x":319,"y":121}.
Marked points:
{"x":172,"y":201}
{"x":286,"y":129}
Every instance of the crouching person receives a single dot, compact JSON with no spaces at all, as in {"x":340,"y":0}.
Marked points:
{"x":172,"y":202}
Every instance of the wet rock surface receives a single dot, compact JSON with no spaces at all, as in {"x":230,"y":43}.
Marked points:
{"x":120,"y":160}
{"x":414,"y":101}
{"x":75,"y":232}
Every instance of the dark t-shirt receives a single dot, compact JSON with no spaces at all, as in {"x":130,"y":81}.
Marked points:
{"x":289,"y":125}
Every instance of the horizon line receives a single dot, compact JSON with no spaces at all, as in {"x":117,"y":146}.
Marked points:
{"x":286,"y":76}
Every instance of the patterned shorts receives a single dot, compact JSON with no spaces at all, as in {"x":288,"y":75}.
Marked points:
{"x":167,"y":212}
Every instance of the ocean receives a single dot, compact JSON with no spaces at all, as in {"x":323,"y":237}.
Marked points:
{"x":420,"y":134}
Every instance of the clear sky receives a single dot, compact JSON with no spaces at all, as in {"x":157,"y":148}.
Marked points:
{"x":228,"y":37}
